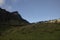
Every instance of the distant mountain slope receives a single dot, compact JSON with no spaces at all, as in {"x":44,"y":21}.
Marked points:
{"x":54,"y":21}
{"x":11,"y":18}
{"x":51,"y":21}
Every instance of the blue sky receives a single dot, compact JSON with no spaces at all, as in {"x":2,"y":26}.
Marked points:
{"x":33,"y":10}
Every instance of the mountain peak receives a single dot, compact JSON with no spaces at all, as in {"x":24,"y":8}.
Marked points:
{"x":11,"y":18}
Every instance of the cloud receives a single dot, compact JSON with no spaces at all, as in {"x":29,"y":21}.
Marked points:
{"x":2,"y":2}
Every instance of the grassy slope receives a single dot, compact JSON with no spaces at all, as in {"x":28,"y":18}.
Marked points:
{"x":43,"y":31}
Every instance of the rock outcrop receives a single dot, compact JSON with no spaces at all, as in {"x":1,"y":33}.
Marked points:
{"x":11,"y":18}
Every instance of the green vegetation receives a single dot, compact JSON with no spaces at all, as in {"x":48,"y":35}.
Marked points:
{"x":38,"y":31}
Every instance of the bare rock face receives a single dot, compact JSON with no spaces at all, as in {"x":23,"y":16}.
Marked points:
{"x":11,"y":18}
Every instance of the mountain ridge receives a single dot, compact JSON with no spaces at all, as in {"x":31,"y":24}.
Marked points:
{"x":11,"y":18}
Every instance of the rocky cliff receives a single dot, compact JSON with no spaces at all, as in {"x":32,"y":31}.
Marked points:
{"x":11,"y":18}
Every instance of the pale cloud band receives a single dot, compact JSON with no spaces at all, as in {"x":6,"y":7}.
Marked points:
{"x":2,"y":2}
{"x":6,"y":6}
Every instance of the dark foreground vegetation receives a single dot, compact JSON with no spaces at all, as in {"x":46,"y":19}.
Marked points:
{"x":39,"y":31}
{"x":14,"y":27}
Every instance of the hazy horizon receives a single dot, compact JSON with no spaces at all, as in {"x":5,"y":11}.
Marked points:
{"x":33,"y":10}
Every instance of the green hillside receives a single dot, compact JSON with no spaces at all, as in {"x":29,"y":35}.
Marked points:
{"x":37,"y":31}
{"x":14,"y":27}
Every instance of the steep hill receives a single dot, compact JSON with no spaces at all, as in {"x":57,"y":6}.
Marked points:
{"x":11,"y":18}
